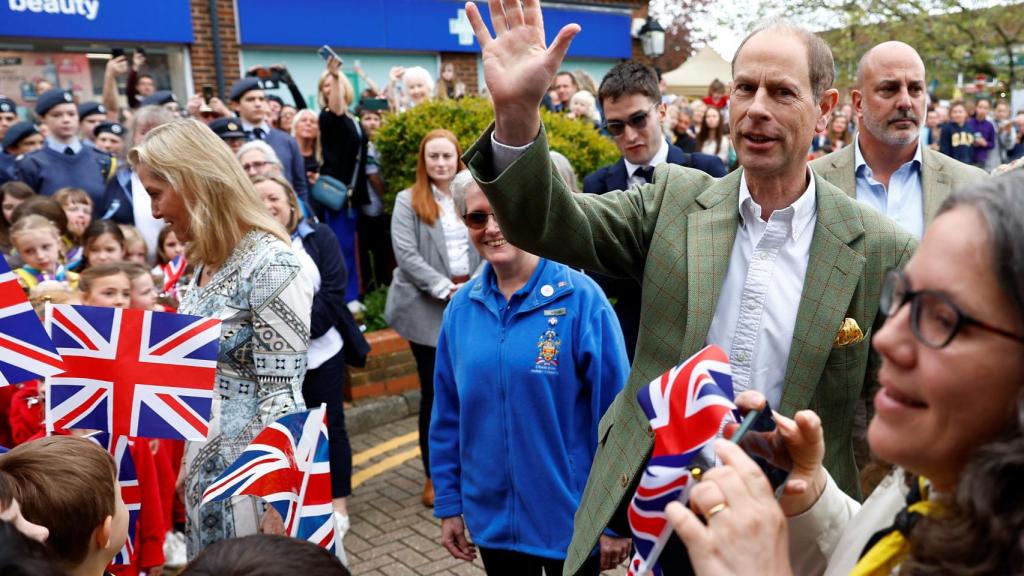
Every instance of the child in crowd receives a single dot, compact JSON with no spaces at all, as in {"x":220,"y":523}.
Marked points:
{"x":69,"y":485}
{"x":135,"y":248}
{"x":11,"y":195}
{"x":264,"y":555}
{"x":144,"y":293}
{"x":105,"y":284}
{"x":78,"y":208}
{"x":38,"y":243}
{"x":103,"y":242}
{"x":174,"y":271}
{"x":956,"y":140}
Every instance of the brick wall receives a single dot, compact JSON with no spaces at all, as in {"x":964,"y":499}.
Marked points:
{"x":390,"y":368}
{"x":465,"y":69}
{"x":204,"y":71}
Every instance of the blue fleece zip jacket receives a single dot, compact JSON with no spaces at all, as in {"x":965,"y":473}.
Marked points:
{"x":519,"y":389}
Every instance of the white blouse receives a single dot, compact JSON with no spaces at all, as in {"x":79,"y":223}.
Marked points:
{"x":456,"y":235}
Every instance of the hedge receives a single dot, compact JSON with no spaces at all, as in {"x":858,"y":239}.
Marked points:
{"x":398,"y":139}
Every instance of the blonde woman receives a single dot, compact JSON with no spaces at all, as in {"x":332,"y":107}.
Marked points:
{"x":583,"y":105}
{"x":306,"y":131}
{"x":248,"y":276}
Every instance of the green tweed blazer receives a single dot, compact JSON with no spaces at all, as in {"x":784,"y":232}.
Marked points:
{"x":675,"y":236}
{"x":940,"y":175}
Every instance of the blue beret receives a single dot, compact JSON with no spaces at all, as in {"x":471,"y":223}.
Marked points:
{"x":227,"y":128}
{"x":159,"y":98}
{"x":90,"y":109}
{"x":47,"y":100}
{"x":275,"y":98}
{"x":112,"y":127}
{"x":18,"y":132}
{"x":8,"y":105}
{"x":238,"y":89}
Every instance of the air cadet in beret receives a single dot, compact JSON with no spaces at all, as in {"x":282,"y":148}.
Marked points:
{"x":230,"y":131}
{"x":90,"y":114}
{"x":64,"y":161}
{"x":8,"y":114}
{"x":164,"y":98}
{"x":249,"y":101}
{"x":21,"y":138}
{"x":110,"y":137}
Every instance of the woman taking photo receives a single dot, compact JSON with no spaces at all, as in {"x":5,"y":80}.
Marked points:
{"x":306,"y":131}
{"x":248,"y":276}
{"x":529,"y":357}
{"x":434,"y":259}
{"x":324,"y":269}
{"x":343,"y":156}
{"x":949,"y":415}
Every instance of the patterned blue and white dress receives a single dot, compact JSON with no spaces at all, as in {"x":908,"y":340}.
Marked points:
{"x":264,"y":302}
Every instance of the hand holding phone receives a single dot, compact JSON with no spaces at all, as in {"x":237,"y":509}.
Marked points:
{"x":756,"y":435}
{"x":326,"y":53}
{"x":207,"y":94}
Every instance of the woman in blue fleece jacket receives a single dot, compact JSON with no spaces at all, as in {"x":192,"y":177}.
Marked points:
{"x":529,"y":358}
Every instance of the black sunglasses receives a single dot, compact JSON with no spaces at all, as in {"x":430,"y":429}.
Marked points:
{"x":934,"y":319}
{"x":477,"y":220}
{"x":637,"y":121}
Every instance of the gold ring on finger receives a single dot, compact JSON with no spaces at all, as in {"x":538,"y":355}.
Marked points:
{"x":716,"y":509}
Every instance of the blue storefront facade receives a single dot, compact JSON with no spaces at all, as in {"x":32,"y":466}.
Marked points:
{"x":68,"y":43}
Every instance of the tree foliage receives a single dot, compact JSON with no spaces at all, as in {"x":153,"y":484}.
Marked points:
{"x":398,"y":139}
{"x":952,"y":36}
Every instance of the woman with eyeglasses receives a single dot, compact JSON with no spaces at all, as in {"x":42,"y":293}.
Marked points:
{"x":949,"y":414}
{"x":435,"y":258}
{"x":258,"y":159}
{"x":529,"y":358}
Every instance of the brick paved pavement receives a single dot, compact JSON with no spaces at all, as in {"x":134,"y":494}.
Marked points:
{"x":392,"y":533}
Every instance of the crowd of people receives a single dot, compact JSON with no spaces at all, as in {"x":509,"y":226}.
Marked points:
{"x":760,"y":217}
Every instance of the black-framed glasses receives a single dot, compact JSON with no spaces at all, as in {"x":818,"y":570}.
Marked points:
{"x":637,"y":121}
{"x":477,"y":220}
{"x":934,"y":319}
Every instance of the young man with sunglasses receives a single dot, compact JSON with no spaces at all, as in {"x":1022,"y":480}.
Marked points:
{"x":772,"y":263}
{"x":633,"y":111}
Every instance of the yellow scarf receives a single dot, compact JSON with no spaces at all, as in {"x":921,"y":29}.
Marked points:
{"x":889,"y":551}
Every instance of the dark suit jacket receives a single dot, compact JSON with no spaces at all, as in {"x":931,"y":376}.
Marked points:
{"x":627,"y":291}
{"x":291,"y":160}
{"x":329,"y":309}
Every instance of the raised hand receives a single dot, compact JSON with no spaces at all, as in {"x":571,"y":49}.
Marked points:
{"x":518,"y":65}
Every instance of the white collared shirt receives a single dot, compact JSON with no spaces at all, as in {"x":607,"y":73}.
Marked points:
{"x":247,"y":128}
{"x":660,"y":157}
{"x":59,"y":147}
{"x":456,"y":235}
{"x":756,"y":311}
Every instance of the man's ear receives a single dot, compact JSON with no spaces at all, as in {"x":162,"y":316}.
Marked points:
{"x":856,"y":102}
{"x":825,"y":108}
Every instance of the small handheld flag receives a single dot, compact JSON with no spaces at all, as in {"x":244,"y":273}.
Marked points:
{"x":26,"y":352}
{"x":687,"y":407}
{"x":132,"y":373}
{"x":287,"y":465}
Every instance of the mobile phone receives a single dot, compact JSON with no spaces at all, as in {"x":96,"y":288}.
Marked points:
{"x":207,"y":93}
{"x":755,"y":436}
{"x":117,"y":53}
{"x":325,"y":52}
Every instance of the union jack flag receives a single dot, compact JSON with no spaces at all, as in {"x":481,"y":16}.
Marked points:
{"x":132,"y":372}
{"x":26,"y":352}
{"x":173,"y":271}
{"x":130,"y":493}
{"x":687,"y":407}
{"x":287,"y":465}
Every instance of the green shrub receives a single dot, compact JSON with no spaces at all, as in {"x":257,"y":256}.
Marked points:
{"x":373,"y":316}
{"x":398,"y":140}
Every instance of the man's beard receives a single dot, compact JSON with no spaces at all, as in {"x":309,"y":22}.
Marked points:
{"x":881,"y":131}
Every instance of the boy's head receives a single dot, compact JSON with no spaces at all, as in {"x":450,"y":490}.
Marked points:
{"x":69,"y":485}
{"x":57,"y":109}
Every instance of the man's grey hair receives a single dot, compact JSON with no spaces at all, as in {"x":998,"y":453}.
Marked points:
{"x":819,"y":55}
{"x":268,"y":153}
{"x":460,"y":186}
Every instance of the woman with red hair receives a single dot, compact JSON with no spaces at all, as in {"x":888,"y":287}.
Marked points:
{"x":435,"y":258}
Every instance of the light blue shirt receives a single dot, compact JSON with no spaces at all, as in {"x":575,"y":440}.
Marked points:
{"x":75,"y":143}
{"x":903,"y":202}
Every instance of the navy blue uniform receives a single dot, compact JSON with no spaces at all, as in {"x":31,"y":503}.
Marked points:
{"x":627,"y":291}
{"x":47,"y":171}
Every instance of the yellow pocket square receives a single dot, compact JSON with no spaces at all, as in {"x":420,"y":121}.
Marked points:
{"x":849,"y":334}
